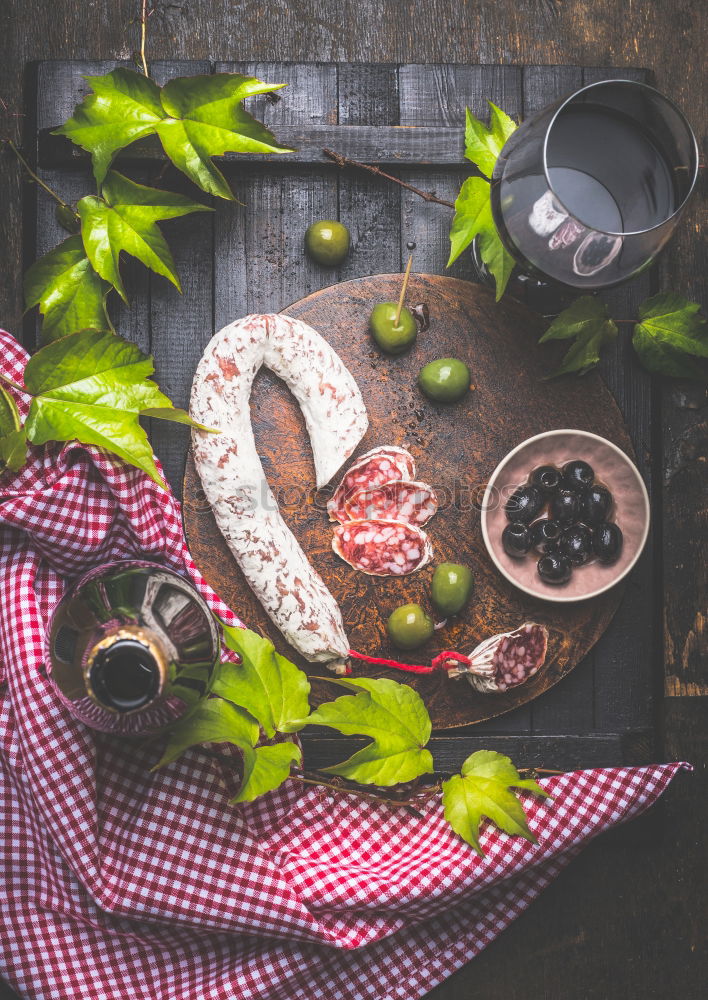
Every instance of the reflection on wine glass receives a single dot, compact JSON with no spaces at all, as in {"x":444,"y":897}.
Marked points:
{"x":588,"y":191}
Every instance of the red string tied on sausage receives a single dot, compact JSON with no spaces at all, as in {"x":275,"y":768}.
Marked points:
{"x":447,"y":660}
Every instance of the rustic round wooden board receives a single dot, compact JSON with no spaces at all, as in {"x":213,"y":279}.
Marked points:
{"x":456,"y":448}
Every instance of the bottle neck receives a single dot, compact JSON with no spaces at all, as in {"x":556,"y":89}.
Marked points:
{"x":126,"y":670}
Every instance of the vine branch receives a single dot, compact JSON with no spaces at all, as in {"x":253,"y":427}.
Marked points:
{"x":143,"y":35}
{"x":344,"y":161}
{"x":14,"y":385}
{"x":35,"y":178}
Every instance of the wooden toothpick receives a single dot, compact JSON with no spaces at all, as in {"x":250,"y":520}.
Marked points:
{"x":402,"y":296}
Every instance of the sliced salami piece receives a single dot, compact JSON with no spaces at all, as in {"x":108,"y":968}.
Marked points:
{"x":382,"y":548}
{"x":380,"y":465}
{"x":504,"y":661}
{"x":410,"y":502}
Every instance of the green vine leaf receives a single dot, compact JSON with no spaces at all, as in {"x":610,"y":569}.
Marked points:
{"x":123,"y":107}
{"x":92,"y":386}
{"x":266,"y":768}
{"x":483,"y":789}
{"x":195,"y":117}
{"x":483,"y":144}
{"x":586,"y":322}
{"x":205,"y":118}
{"x":69,"y":293}
{"x":267,"y":685}
{"x":671,"y":336}
{"x":123,"y":219}
{"x":395,"y":718}
{"x":473,"y":217}
{"x":212,"y":721}
{"x":13,"y":447}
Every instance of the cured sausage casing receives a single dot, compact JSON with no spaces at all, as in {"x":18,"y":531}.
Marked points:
{"x":232,"y":476}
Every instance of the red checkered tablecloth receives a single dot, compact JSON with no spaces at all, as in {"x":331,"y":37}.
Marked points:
{"x":117,"y":883}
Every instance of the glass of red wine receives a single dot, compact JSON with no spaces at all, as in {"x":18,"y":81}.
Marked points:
{"x":587,"y":192}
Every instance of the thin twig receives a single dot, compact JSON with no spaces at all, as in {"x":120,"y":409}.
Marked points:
{"x":143,"y":35}
{"x":538,"y":770}
{"x":402,"y":296}
{"x":14,"y":385}
{"x":350,"y":791}
{"x":345,"y":161}
{"x":34,"y":176}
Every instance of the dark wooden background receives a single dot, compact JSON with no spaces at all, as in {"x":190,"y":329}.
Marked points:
{"x":627,"y":920}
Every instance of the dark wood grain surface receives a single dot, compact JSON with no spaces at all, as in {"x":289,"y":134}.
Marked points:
{"x":625,"y":921}
{"x":455,"y":448}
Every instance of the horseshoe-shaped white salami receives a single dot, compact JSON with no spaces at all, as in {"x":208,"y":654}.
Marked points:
{"x":232,"y":476}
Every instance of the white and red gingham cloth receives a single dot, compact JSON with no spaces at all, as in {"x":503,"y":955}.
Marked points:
{"x":117,"y":883}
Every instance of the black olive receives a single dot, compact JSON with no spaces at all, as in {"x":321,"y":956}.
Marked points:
{"x":565,"y":507}
{"x":547,"y":478}
{"x":545,"y":535}
{"x":595,"y":504}
{"x":516,"y":539}
{"x":525,"y":503}
{"x":607,"y":542}
{"x":554,"y":567}
{"x":577,"y":475}
{"x":576,"y":544}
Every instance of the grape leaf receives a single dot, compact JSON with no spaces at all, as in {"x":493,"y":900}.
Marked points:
{"x":196,"y":117}
{"x":482,"y":789}
{"x":483,"y":144}
{"x":472,"y":214}
{"x":91,"y":386}
{"x":670,"y":336}
{"x":265,"y":768}
{"x":473,"y":217}
{"x":69,"y":293}
{"x":212,"y":721}
{"x":267,"y":685}
{"x":588,"y":323}
{"x":123,"y":107}
{"x":205,"y":119}
{"x":13,"y":447}
{"x":123,"y":219}
{"x":499,"y":261}
{"x":396,"y":719}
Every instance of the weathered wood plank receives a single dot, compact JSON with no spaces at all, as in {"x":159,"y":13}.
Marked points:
{"x":433,"y":146}
{"x":560,"y":751}
{"x":369,"y":206}
{"x":180,"y":324}
{"x":625,"y":658}
{"x":569,"y":707}
{"x":438,"y":95}
{"x":279,"y":208}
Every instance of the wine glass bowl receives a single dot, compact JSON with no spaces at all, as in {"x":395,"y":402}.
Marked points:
{"x":587,"y":192}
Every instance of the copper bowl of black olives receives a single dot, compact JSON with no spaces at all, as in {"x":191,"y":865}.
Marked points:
{"x":565,"y":515}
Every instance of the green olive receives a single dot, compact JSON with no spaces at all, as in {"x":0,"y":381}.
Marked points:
{"x":446,"y":380}
{"x":409,"y":626}
{"x":392,"y":337}
{"x":451,"y":587}
{"x":327,"y":242}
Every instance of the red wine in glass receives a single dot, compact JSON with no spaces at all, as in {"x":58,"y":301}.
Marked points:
{"x":587,"y":192}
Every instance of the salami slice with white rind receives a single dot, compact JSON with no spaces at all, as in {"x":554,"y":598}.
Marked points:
{"x":380,"y":465}
{"x":382,"y":548}
{"x":505,"y":661}
{"x":272,"y":561}
{"x":411,"y":502}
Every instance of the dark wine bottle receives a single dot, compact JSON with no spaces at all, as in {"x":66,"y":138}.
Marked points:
{"x":131,"y":647}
